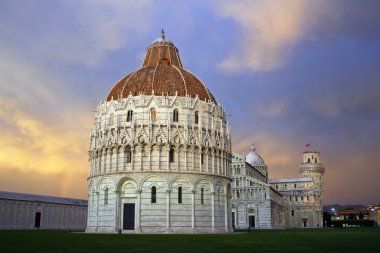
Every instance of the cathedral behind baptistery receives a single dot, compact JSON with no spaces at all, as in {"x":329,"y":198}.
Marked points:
{"x":160,"y":153}
{"x":260,"y":202}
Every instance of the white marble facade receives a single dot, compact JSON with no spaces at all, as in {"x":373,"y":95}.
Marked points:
{"x":129,"y":157}
{"x":259,"y":202}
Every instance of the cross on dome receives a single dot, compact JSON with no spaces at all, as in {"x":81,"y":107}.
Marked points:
{"x":163,"y":34}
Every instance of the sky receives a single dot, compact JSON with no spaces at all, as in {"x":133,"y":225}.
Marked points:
{"x":288,"y":73}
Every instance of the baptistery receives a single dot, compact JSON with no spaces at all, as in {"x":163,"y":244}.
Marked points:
{"x":159,"y":152}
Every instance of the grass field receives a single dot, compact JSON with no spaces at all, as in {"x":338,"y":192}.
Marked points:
{"x":305,"y":241}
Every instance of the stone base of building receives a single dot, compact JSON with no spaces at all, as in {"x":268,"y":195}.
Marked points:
{"x":161,"y":230}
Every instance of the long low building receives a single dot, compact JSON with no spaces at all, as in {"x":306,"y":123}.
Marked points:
{"x":28,"y":211}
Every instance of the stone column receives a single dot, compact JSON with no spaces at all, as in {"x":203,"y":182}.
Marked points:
{"x":141,"y":157}
{"x":132,"y":157}
{"x":200,"y":153}
{"x":123,"y":159}
{"x":213,"y":210}
{"x":178,"y":154}
{"x":168,"y":209}
{"x":138,"y":213}
{"x":117,"y":208}
{"x":226,"y":211}
{"x":110,"y":154}
{"x":97,"y":211}
{"x":117,"y":159}
{"x":193,"y":158}
{"x":213,"y":162}
{"x":186,"y":167}
{"x":218,"y":163}
{"x":150,"y":157}
{"x":207,"y":165}
{"x":159,"y":156}
{"x":193,"y":209}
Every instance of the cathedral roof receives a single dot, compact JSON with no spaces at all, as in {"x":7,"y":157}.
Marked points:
{"x":254,"y":158}
{"x":161,"y":73}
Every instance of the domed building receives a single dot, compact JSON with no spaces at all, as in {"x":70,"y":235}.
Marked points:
{"x":160,"y":152}
{"x":259,"y":202}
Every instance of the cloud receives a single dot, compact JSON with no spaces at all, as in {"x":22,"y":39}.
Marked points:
{"x":75,"y":32}
{"x":269,"y":31}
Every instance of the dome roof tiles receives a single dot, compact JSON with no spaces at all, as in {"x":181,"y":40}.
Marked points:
{"x":254,"y":158}
{"x":161,"y":74}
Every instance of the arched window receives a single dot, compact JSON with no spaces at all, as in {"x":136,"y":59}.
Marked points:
{"x":202,"y":158}
{"x":237,"y":195}
{"x":110,"y":119}
{"x":308,"y":160}
{"x":153,"y":195}
{"x":315,"y":160}
{"x":175,"y":115}
{"x":219,"y":198}
{"x":292,"y":212}
{"x":106,"y":196}
{"x":196,"y":117}
{"x":153,"y":115}
{"x":296,"y":198}
{"x":202,"y":196}
{"x":180,"y":195}
{"x":128,"y":155}
{"x":129,"y":115}
{"x":171,"y":155}
{"x":237,"y":182}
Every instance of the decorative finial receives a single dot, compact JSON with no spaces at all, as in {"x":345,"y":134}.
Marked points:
{"x":163,"y":34}
{"x":253,"y":147}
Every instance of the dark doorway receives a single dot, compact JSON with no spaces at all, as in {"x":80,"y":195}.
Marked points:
{"x":129,"y":217}
{"x":252,"y":221}
{"x":37,"y":220}
{"x":233,"y":219}
{"x":304,"y":223}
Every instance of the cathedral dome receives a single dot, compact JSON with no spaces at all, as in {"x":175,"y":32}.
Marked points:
{"x":161,"y":73}
{"x":254,"y":158}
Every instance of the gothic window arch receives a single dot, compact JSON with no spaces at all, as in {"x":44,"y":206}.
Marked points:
{"x":153,"y":114}
{"x":153,"y":194}
{"x":175,"y":115}
{"x":196,"y":119}
{"x":171,"y":155}
{"x":128,"y":154}
{"x":129,"y":115}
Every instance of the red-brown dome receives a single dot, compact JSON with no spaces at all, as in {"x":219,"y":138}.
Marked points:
{"x":161,"y":74}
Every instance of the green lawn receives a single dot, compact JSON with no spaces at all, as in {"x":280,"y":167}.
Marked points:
{"x":305,"y":241}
